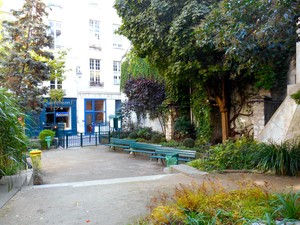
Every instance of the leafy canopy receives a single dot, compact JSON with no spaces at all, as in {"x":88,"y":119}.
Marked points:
{"x":136,"y":67}
{"x":24,"y":38}
{"x":144,"y":96}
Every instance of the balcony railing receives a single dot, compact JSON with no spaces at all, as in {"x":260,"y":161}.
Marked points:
{"x":96,"y":84}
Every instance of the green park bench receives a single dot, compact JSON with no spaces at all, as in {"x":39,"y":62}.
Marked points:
{"x":120,"y":143}
{"x":180,"y":154}
{"x":143,"y":148}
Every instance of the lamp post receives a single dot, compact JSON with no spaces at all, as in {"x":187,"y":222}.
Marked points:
{"x":78,"y":76}
{"x":78,"y":72}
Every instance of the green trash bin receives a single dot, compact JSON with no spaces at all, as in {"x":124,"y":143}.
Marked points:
{"x":171,"y":160}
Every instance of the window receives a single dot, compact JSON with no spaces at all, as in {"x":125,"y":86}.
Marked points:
{"x":95,"y":73}
{"x":55,"y":84}
{"x":94,"y":40}
{"x":95,"y":29}
{"x":117,"y":71}
{"x":117,"y":39}
{"x":55,"y":32}
{"x":58,"y":115}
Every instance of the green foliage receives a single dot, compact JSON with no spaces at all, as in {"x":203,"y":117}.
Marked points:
{"x":171,"y":143}
{"x":237,"y":44}
{"x":56,"y":95}
{"x":43,"y":134}
{"x":146,"y":134}
{"x":184,"y":128}
{"x":57,"y":71}
{"x":287,"y":205}
{"x":209,"y":203}
{"x":133,"y":135}
{"x":201,"y":113}
{"x":157,"y":138}
{"x":188,"y":142}
{"x":296,"y":97}
{"x":283,"y":159}
{"x":136,"y":67}
{"x":24,"y":38}
{"x":12,"y":136}
{"x":240,"y":154}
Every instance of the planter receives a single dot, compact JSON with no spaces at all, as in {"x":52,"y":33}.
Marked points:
{"x":3,"y":180}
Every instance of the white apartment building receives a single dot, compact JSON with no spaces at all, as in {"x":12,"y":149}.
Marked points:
{"x":92,"y":84}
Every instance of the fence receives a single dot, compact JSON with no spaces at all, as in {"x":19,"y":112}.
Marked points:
{"x":66,"y":140}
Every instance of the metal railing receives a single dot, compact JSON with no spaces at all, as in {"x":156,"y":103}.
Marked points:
{"x":82,"y":139}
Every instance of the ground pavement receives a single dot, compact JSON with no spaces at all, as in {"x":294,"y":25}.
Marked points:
{"x":96,"y":186}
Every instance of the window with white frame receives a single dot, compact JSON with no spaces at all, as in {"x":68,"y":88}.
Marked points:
{"x":55,"y":84}
{"x":94,"y":32}
{"x":117,"y":39}
{"x":55,"y":32}
{"x":117,"y":72}
{"x":95,"y":73}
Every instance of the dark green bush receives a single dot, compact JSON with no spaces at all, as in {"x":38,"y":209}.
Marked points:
{"x":283,"y":159}
{"x":171,"y":143}
{"x":188,"y":142}
{"x":240,"y":154}
{"x":43,"y":134}
{"x":145,"y":133}
{"x":133,"y":135}
{"x":156,"y":138}
{"x":183,"y":128}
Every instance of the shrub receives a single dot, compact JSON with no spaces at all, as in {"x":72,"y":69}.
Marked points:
{"x":12,"y":136}
{"x":240,"y":154}
{"x":43,"y":134}
{"x":171,"y":143}
{"x":144,"y":133}
{"x":156,"y":138}
{"x":133,"y":135}
{"x":210,"y":203}
{"x":188,"y":142}
{"x":283,"y":159}
{"x":287,"y":205}
{"x":183,"y":128}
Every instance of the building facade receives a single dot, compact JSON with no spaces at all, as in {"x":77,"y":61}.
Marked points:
{"x":92,"y":83}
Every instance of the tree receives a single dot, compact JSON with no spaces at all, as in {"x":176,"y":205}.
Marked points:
{"x":164,"y":31}
{"x":136,"y":67}
{"x":252,"y":43}
{"x":145,"y":96}
{"x":23,"y":39}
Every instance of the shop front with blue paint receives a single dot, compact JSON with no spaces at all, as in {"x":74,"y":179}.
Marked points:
{"x":62,"y":113}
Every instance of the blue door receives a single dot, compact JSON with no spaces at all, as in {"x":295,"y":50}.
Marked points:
{"x":95,"y":114}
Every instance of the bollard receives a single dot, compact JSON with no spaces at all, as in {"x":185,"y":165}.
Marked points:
{"x":48,"y":139}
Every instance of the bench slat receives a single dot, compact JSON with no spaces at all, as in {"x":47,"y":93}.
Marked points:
{"x":120,"y":143}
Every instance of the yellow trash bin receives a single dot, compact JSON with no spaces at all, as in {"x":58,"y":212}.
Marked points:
{"x":36,"y":159}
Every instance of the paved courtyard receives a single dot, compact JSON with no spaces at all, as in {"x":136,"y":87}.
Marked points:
{"x":95,"y":185}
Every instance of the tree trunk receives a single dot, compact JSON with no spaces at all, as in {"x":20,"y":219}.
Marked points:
{"x":223,"y":106}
